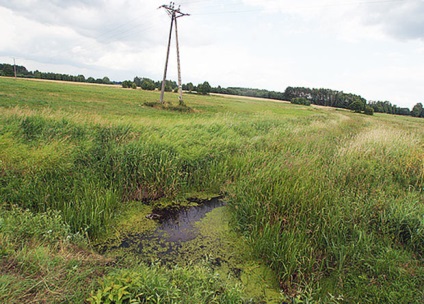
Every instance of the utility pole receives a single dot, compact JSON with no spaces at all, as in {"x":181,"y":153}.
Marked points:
{"x":180,"y":89}
{"x":14,"y":66}
{"x":174,"y":13}
{"x":162,"y":91}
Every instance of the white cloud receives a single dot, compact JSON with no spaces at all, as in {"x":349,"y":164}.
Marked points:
{"x":103,"y":35}
{"x":102,"y":20}
{"x":400,"y":19}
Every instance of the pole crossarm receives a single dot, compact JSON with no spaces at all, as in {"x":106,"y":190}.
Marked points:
{"x":174,"y":11}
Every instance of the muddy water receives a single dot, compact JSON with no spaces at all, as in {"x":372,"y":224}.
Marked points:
{"x":199,"y":234}
{"x":175,"y":228}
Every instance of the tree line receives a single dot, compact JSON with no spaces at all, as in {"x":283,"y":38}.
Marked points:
{"x":22,"y":72}
{"x":329,"y":98}
{"x":149,"y":84}
{"x":297,"y":95}
{"x":170,"y":85}
{"x":339,"y":99}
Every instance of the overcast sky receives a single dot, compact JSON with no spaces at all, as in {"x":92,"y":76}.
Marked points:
{"x":374,"y":48}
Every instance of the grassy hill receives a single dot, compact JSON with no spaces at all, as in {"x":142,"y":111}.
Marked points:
{"x":330,"y":200}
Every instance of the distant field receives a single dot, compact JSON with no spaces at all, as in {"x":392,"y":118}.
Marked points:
{"x":248,"y":97}
{"x":330,"y":200}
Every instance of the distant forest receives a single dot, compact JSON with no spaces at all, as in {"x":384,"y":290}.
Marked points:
{"x":21,"y":71}
{"x":323,"y":97}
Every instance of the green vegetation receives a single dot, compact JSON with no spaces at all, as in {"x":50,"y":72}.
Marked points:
{"x":301,"y":101}
{"x":417,"y":110}
{"x":368,"y":110}
{"x":323,"y":97}
{"x":158,"y":285}
{"x":41,"y":260}
{"x":330,"y":200}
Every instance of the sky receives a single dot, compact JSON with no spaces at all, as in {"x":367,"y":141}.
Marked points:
{"x":373,"y":48}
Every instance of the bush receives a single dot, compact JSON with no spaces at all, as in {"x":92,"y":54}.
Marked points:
{"x":22,"y":225}
{"x":369,"y":110}
{"x":148,"y":84}
{"x":128,"y":84}
{"x":357,"y":106}
{"x":301,"y":101}
{"x":159,"y":285}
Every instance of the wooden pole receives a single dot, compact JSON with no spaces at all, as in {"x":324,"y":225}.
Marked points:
{"x":162,"y":92}
{"x":180,"y":89}
{"x":14,"y":66}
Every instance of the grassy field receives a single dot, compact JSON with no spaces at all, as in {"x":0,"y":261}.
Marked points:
{"x":331,"y":200}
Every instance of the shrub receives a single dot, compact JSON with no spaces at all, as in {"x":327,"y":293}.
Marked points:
{"x":369,"y":110}
{"x":301,"y":101}
{"x":22,"y":225}
{"x":128,"y":84}
{"x":357,"y":106}
{"x":159,"y":285}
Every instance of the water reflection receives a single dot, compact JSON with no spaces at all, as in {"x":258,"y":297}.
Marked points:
{"x":176,"y":227}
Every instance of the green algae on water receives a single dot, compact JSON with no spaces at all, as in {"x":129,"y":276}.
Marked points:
{"x":214,"y":245}
{"x":235,"y":259}
{"x":132,"y":220}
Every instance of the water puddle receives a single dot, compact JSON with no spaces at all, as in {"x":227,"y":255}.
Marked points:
{"x":176,"y":226}
{"x":198,"y":234}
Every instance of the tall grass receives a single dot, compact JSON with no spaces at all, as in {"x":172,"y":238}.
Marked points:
{"x":87,"y":171}
{"x":331,"y":200}
{"x":323,"y":213}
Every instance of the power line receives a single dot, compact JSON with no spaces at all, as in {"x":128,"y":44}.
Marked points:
{"x":117,"y":33}
{"x":309,"y":7}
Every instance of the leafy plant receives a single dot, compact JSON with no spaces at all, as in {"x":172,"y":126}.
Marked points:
{"x":158,"y":285}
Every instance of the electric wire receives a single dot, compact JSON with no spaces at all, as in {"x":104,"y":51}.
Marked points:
{"x":202,"y":12}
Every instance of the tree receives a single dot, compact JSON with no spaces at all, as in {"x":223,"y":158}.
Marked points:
{"x":403,"y":111}
{"x":204,"y":88}
{"x":301,"y":101}
{"x":289,"y":93}
{"x":147,"y":84}
{"x":80,"y":78}
{"x":137,"y":81}
{"x":168,"y":87}
{"x":106,"y":80}
{"x":37,"y":74}
{"x":369,"y":110}
{"x":357,"y":106}
{"x":190,"y":87}
{"x":7,"y":70}
{"x":417,"y":110}
{"x":127,"y":84}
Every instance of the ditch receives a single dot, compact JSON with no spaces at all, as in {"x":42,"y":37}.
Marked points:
{"x":200,"y":234}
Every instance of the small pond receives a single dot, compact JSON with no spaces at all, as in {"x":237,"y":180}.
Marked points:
{"x":197,"y":234}
{"x":176,"y":226}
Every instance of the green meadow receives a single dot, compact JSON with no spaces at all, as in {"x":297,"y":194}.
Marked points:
{"x":329,"y":200}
